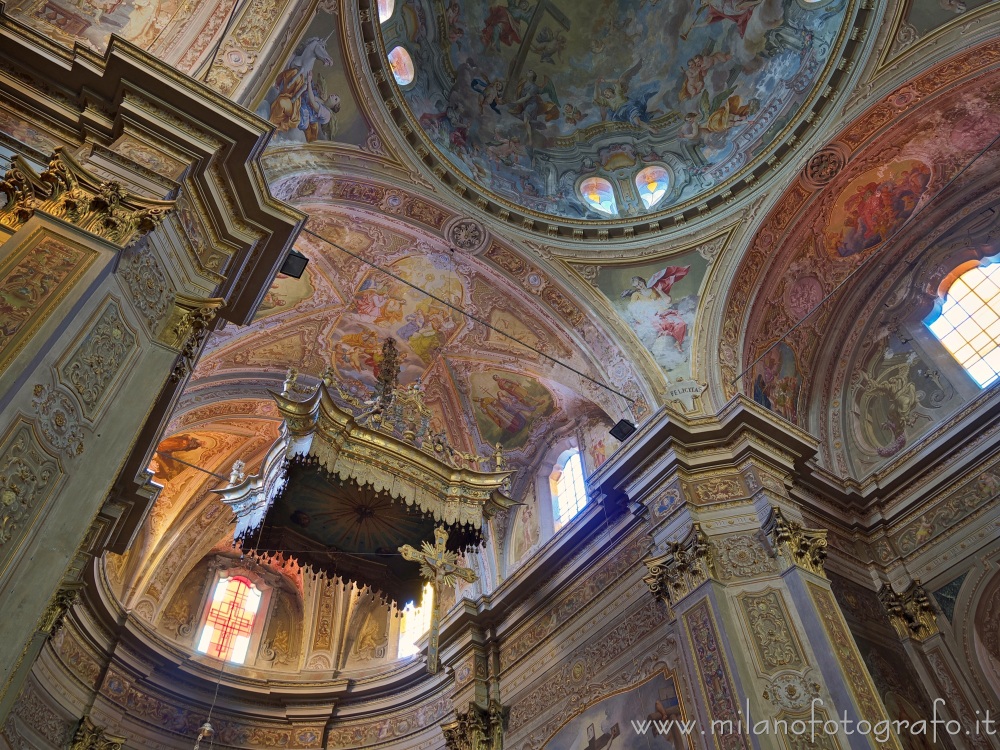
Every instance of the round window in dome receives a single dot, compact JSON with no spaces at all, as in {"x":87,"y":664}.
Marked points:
{"x":385,"y":8}
{"x":598,"y":193}
{"x":402,"y":65}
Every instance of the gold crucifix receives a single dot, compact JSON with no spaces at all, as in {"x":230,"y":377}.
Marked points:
{"x":439,"y":566}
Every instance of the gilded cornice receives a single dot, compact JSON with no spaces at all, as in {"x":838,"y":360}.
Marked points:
{"x":100,"y":97}
{"x":670,"y":442}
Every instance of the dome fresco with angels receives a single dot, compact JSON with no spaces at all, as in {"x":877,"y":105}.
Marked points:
{"x":534,"y":99}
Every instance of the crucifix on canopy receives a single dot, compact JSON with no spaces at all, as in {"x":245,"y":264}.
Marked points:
{"x":440,"y":567}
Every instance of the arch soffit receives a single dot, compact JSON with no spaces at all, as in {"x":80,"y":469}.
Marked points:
{"x":783,"y":249}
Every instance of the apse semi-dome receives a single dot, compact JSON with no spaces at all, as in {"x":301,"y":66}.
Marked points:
{"x":529,"y":100}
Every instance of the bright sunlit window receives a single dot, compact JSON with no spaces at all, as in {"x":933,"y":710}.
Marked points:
{"x":652,"y":183}
{"x":968,"y":325}
{"x":402,"y":65}
{"x":229,"y":624}
{"x":385,"y":8}
{"x":416,"y":622}
{"x":569,"y":490}
{"x":598,"y":193}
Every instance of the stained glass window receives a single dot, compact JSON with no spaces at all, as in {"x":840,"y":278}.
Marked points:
{"x":569,"y":490}
{"x":598,"y":193}
{"x":968,"y":324}
{"x":385,"y":8}
{"x":416,"y":622}
{"x":229,"y":624}
{"x":652,"y":183}
{"x":402,"y":65}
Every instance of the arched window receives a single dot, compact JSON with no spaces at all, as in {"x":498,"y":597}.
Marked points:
{"x":416,"y":622}
{"x":652,"y":183}
{"x":229,"y":624}
{"x":968,"y":323}
{"x":569,"y":490}
{"x":402,"y":65}
{"x":598,"y":193}
{"x":385,"y":8}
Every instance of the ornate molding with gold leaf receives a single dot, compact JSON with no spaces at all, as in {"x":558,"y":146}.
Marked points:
{"x":796,"y":544}
{"x":67,"y":191}
{"x":911,"y":612}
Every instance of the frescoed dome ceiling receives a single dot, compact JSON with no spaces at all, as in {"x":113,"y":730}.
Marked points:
{"x":530,"y":99}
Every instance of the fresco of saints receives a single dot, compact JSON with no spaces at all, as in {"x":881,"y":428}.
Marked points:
{"x":510,"y":421}
{"x":615,"y":102}
{"x":296,"y":103}
{"x":140,"y":21}
{"x":879,"y":208}
{"x":503,"y":24}
{"x":100,"y":7}
{"x":697,"y":70}
{"x":427,"y":330}
{"x":650,"y":301}
{"x":535,"y":98}
{"x":377,"y":305}
{"x":165,"y":466}
{"x":358,"y":351}
{"x":515,"y":391}
{"x":713,"y":11}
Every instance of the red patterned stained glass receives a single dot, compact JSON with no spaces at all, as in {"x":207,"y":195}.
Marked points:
{"x":229,"y":624}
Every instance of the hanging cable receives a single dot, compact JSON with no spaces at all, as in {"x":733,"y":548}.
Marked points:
{"x":885,"y":245}
{"x":206,"y":729}
{"x":467,"y":314}
{"x":199,"y":468}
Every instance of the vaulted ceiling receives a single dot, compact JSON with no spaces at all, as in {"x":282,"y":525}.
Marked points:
{"x":774,"y":122}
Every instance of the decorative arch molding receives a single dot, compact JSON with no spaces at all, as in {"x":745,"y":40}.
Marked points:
{"x":906,"y":48}
{"x":978,"y":597}
{"x":788,"y":261}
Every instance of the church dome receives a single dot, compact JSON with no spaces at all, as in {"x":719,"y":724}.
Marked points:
{"x":613,"y":112}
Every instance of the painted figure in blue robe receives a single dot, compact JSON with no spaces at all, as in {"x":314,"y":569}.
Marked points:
{"x":618,"y":104}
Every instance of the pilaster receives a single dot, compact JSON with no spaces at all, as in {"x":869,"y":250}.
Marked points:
{"x":764,"y":641}
{"x":120,"y":251}
{"x":913,"y":615}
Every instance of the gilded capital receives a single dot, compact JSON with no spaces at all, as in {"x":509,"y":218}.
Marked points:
{"x":796,"y":544}
{"x":685,"y":566}
{"x":477,"y":728}
{"x":69,"y":192}
{"x":911,"y":612}
{"x":91,"y":737}
{"x":59,"y":605}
